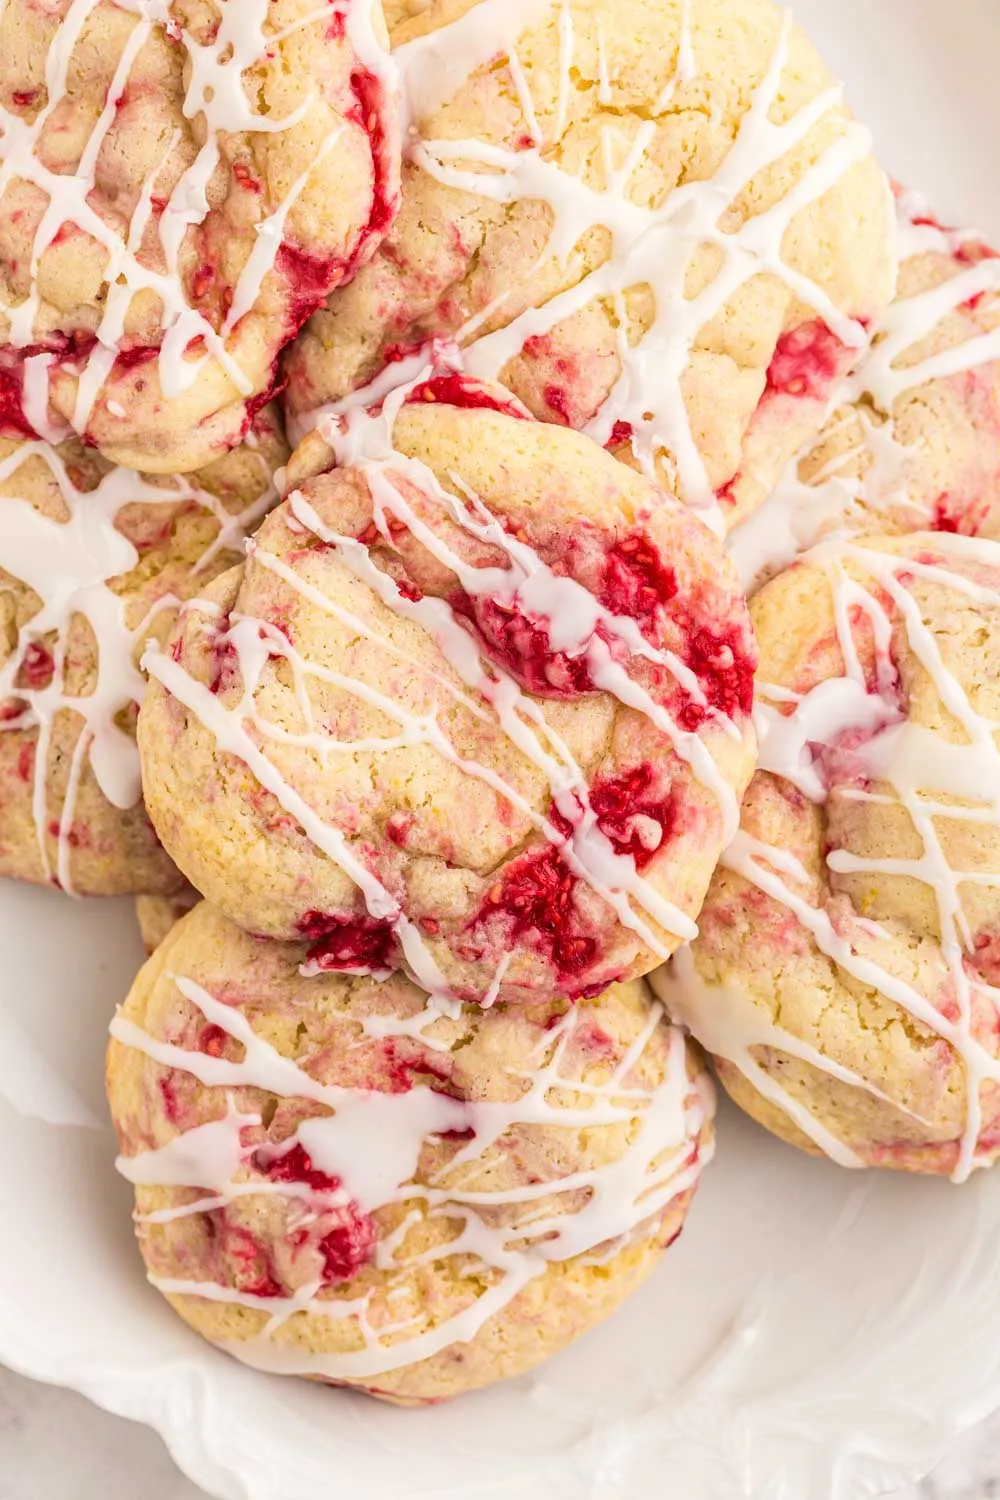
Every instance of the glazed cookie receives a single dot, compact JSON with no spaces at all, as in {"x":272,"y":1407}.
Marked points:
{"x":847,"y":976}
{"x":181,"y":184}
{"x":913,"y":442}
{"x":156,"y":915}
{"x":654,"y":221}
{"x":477,"y":704}
{"x":336,"y":1179}
{"x":93,"y":560}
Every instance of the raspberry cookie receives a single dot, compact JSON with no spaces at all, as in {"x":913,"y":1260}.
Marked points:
{"x":914,"y":439}
{"x":156,"y":915}
{"x":847,"y":976}
{"x":653,"y":221}
{"x":93,"y":560}
{"x":336,"y":1179}
{"x":478,"y":704}
{"x":181,"y":184}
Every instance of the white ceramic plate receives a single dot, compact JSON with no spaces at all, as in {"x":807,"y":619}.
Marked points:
{"x":814,"y":1336}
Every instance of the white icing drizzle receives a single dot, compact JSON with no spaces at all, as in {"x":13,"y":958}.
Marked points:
{"x":433,"y":67}
{"x":370,"y":1143}
{"x":919,"y":770}
{"x":799,"y":512}
{"x":216,"y":95}
{"x":70,"y":563}
{"x":687,"y":64}
{"x":208,"y":1153}
{"x":363,"y":439}
{"x":270,"y":233}
{"x":650,"y":246}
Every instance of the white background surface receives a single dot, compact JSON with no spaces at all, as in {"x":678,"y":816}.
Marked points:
{"x":53,"y":1446}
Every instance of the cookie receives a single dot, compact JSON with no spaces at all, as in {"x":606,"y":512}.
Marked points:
{"x":913,"y":441}
{"x":93,"y":561}
{"x":654,"y":221}
{"x":336,"y":1179}
{"x":846,"y":975}
{"x":156,"y":915}
{"x":478,"y":703}
{"x":181,"y":184}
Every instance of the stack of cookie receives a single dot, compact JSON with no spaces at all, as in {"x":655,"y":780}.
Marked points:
{"x":180,"y":187}
{"x":554,"y":297}
{"x":452,"y":756}
{"x":845,"y":975}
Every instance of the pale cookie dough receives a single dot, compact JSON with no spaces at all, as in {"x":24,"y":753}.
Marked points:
{"x":652,"y":220}
{"x":334,"y":1179}
{"x":847,"y":975}
{"x":93,"y":561}
{"x":478,"y":704}
{"x":181,"y":184}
